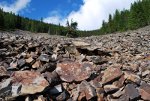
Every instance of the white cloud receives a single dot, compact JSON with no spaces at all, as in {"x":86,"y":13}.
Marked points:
{"x":92,"y":12}
{"x":53,"y":20}
{"x":17,"y":6}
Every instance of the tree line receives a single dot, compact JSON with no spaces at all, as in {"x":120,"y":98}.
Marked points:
{"x":10,"y":21}
{"x":137,"y":16}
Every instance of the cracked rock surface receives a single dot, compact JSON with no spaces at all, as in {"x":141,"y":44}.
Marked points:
{"x":113,"y":67}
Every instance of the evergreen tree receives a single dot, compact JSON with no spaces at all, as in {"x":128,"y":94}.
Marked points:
{"x":110,"y":24}
{"x":138,"y":16}
{"x":103,"y":29}
{"x":18,"y":22}
{"x":117,"y":20}
{"x":1,"y":19}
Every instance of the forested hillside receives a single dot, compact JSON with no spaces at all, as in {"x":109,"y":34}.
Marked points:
{"x":138,"y":16}
{"x":9,"y":21}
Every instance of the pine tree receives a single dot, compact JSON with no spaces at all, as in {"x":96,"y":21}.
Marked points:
{"x":103,"y":28}
{"x":110,"y":24}
{"x":18,"y":22}
{"x":117,"y":20}
{"x":1,"y":19}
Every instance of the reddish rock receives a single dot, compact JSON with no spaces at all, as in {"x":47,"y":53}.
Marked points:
{"x":131,"y":67}
{"x":119,"y":83}
{"x":132,"y":77}
{"x":145,"y":91}
{"x":74,"y":71}
{"x":86,"y":89}
{"x":110,"y":74}
{"x":97,"y":81}
{"x":110,"y":88}
{"x":119,"y":93}
{"x":31,"y":82}
{"x":63,"y":96}
{"x":72,"y":86}
{"x":82,"y":96}
{"x":75,"y":94}
{"x":100,"y":98}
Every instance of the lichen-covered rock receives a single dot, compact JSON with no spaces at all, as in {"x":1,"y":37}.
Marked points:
{"x":74,"y":71}
{"x":30,"y":82}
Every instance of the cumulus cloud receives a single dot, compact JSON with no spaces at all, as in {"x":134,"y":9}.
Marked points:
{"x":92,"y":13}
{"x":53,"y":20}
{"x":17,"y":6}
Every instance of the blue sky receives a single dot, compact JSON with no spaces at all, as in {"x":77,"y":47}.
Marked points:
{"x":36,"y":9}
{"x":88,"y":13}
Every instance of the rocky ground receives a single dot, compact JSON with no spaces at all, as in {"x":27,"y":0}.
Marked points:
{"x":113,"y":67}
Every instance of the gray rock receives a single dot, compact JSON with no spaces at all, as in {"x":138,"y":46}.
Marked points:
{"x":94,"y":59}
{"x":131,"y":92}
{"x":56,"y":89}
{"x":5,"y":88}
{"x":44,"y":57}
{"x":16,"y":90}
{"x":21,"y":63}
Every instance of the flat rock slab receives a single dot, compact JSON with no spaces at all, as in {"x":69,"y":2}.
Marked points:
{"x":145,"y":91}
{"x":111,"y":74}
{"x":80,"y":44}
{"x":74,"y":71}
{"x":110,"y":88}
{"x":131,"y":92}
{"x":132,"y":77}
{"x":30,"y":82}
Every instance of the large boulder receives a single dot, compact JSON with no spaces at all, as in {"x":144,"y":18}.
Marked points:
{"x":28,"y":82}
{"x":74,"y":71}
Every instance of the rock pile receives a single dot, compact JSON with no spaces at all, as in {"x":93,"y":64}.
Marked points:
{"x":106,"y":68}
